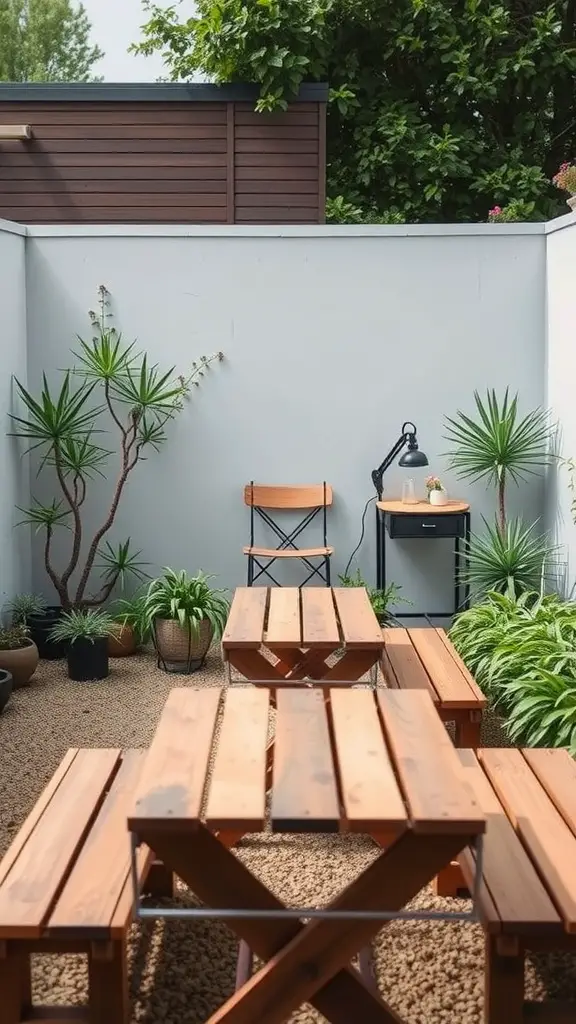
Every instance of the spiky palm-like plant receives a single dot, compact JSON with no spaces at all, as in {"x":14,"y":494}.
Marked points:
{"x":114,"y":387}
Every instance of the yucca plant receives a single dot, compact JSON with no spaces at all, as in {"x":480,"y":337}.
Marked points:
{"x":111,"y":386}
{"x":509,"y":558}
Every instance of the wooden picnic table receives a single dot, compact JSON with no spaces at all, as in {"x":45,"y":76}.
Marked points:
{"x":302,"y":628}
{"x":342,"y":760}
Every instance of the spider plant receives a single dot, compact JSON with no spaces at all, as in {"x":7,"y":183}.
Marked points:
{"x":25,"y":605}
{"x":89,"y":624}
{"x":188,"y":600}
{"x":379,"y":599}
{"x":131,"y":611}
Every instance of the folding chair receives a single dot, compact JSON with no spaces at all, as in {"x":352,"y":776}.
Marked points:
{"x":315,"y":499}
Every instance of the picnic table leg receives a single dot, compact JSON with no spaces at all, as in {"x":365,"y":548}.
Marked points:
{"x":504,"y":986}
{"x":108,"y":983}
{"x":15,"y":984}
{"x":468,"y":730}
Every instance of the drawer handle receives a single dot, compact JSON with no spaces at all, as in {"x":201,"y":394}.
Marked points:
{"x":428,"y":526}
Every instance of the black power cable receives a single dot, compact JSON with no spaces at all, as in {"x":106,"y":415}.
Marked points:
{"x":359,"y":544}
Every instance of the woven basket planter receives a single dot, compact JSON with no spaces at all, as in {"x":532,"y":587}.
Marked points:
{"x":179,"y":649}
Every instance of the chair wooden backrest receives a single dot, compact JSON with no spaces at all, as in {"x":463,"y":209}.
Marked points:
{"x":297,"y":497}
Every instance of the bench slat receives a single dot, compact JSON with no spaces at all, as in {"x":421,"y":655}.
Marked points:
{"x":477,"y":692}
{"x":319,"y":625}
{"x":304,"y":792}
{"x":237,"y":794}
{"x":369,"y":788}
{"x":542,"y":829}
{"x":358,"y":623}
{"x":556,"y":771}
{"x":245,"y":624}
{"x":401,"y":659}
{"x":514,"y":888}
{"x":284,"y":629}
{"x":171,"y":785}
{"x":35,"y":879}
{"x":98,"y":877}
{"x":427,"y":764}
{"x":451,"y":686}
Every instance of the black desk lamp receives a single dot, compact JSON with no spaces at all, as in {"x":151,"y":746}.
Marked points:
{"x":411,"y":459}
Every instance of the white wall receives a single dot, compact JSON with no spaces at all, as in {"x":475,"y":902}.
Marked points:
{"x":561,"y":377}
{"x":14,"y":477}
{"x":333,"y":337}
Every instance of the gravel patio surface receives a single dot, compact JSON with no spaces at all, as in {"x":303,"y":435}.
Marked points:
{"x":181,"y":972}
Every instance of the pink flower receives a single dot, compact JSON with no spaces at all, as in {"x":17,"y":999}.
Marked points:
{"x":495,"y":211}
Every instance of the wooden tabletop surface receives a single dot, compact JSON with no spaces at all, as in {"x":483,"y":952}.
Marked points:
{"x":390,"y":766}
{"x":421,"y":508}
{"x":311,"y":617}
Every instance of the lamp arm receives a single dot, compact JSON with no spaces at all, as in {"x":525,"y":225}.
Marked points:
{"x":408,"y":431}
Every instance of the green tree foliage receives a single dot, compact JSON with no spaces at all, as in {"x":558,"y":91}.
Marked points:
{"x":45,"y":41}
{"x":439,"y":108}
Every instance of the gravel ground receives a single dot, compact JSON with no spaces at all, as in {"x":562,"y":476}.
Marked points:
{"x":181,"y":972}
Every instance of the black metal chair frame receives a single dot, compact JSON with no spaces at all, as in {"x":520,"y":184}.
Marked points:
{"x":287,"y":541}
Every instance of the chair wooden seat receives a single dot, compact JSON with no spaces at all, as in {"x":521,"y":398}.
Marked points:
{"x":425,"y":659}
{"x":297,"y":553}
{"x":528,"y":893}
{"x":65,"y":885}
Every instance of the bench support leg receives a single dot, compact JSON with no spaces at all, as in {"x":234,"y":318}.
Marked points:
{"x":15,"y":985}
{"x":450,"y":881}
{"x":108,"y":998}
{"x":467,"y":733}
{"x":504,"y":988}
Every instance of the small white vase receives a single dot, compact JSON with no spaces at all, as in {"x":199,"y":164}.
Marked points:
{"x":438,"y":497}
{"x":572,"y":203}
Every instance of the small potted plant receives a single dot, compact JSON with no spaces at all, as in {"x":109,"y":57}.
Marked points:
{"x":32,"y":610}
{"x":436,"y":492}
{"x":130,"y":616}
{"x":84,"y":632}
{"x":184,"y":614}
{"x":565,"y":179}
{"x":6,"y":685}
{"x":18,"y":654}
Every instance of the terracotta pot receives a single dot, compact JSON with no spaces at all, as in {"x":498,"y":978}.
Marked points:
{"x":6,"y":686}
{"x":20,"y":663}
{"x":122,"y":645}
{"x":177,"y":648}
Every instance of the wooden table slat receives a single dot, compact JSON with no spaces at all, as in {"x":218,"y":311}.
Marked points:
{"x":513,"y":884}
{"x":237,"y":788}
{"x":319,"y":624}
{"x":402,"y":660}
{"x":545,"y":834}
{"x":428,"y":767}
{"x":370,"y":792}
{"x":452,"y":687}
{"x":246,"y":619}
{"x":171,"y":786}
{"x":304,"y":788}
{"x":284,"y":626}
{"x":358,"y":624}
{"x":477,"y":692}
{"x":556,"y":771}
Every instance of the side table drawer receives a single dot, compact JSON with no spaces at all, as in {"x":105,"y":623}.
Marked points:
{"x":429,"y":526}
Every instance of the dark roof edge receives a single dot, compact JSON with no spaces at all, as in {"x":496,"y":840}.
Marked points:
{"x":145,"y":92}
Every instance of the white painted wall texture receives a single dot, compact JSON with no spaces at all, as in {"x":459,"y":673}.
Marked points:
{"x":332,"y":339}
{"x":561,"y":378}
{"x":14,"y":478}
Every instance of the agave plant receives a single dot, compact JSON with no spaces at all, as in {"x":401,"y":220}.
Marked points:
{"x":110,"y":386}
{"x":511,"y":558}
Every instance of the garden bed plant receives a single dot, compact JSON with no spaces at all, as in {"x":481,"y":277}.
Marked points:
{"x":522,"y":652}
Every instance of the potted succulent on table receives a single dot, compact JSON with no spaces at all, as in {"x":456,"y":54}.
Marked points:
{"x":130,"y":616}
{"x":436,"y":491}
{"x":565,"y":179}
{"x":18,"y":654}
{"x":6,"y":685}
{"x":32,"y":611}
{"x":184,"y":614}
{"x":85,"y":633}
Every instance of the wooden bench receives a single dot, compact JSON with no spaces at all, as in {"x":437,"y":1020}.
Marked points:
{"x":425,"y":659}
{"x":528,"y":893}
{"x":65,"y":886}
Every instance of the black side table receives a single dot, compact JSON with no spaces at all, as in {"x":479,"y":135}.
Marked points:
{"x":427,"y":522}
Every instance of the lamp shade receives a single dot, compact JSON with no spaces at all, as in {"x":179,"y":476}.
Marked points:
{"x":413,"y":459}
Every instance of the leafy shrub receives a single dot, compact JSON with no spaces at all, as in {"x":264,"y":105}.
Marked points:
{"x":522,"y":653}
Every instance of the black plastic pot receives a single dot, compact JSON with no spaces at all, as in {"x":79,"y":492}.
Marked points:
{"x":40,"y":624}
{"x":6,"y":685}
{"x":88,"y":659}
